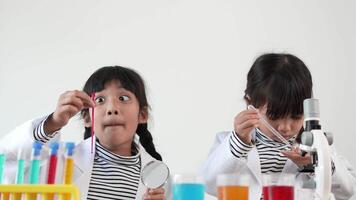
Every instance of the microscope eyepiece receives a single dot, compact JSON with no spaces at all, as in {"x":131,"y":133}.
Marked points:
{"x":311,"y":114}
{"x":311,"y":109}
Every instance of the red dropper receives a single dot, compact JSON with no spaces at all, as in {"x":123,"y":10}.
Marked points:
{"x":92,"y":122}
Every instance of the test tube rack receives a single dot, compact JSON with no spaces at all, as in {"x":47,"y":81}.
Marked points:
{"x":38,"y":192}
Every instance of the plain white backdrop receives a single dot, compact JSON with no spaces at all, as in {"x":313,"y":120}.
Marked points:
{"x":194,"y":56}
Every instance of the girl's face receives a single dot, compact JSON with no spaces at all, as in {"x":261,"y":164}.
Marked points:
{"x":288,"y":127}
{"x":116,"y":116}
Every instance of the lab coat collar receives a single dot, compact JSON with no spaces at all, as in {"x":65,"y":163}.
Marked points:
{"x":253,"y":163}
{"x":84,"y":165}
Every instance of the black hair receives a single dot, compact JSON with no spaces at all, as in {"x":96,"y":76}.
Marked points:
{"x":282,"y":81}
{"x":131,"y":81}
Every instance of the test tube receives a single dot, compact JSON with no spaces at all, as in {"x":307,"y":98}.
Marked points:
{"x":52,"y":167}
{"x":2,"y":164}
{"x":274,"y":131}
{"x":20,"y":174}
{"x":35,"y":163}
{"x":5,"y":195}
{"x":35,"y":167}
{"x":92,"y":124}
{"x":68,"y":166}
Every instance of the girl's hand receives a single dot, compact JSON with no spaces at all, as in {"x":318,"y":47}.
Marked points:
{"x":297,"y":158}
{"x":154,"y":194}
{"x":244,"y":122}
{"x":68,"y":105}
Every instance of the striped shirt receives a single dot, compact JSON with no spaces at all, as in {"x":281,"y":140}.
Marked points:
{"x":39,"y":133}
{"x":271,"y":158}
{"x":113,"y":176}
{"x":269,"y":151}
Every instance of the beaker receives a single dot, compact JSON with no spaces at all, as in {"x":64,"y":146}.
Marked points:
{"x":278,"y":186}
{"x":232,"y":186}
{"x":188,"y":187}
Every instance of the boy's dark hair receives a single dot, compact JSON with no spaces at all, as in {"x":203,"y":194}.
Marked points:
{"x":131,"y":81}
{"x":282,"y":81}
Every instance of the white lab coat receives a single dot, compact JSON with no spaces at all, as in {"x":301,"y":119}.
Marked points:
{"x":221,"y":161}
{"x":22,"y":137}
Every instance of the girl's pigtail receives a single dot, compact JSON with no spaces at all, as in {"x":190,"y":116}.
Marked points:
{"x":87,"y":133}
{"x":146,"y":141}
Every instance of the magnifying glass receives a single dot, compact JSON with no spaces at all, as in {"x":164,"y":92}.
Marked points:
{"x":155,"y":174}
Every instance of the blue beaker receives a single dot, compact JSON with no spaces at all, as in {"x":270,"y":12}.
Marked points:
{"x":188,"y":187}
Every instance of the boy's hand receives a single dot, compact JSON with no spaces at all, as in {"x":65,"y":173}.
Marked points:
{"x":244,"y":122}
{"x":68,"y":105}
{"x":295,"y":156}
{"x":154,"y":194}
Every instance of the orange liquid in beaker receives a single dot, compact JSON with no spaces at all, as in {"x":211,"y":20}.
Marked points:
{"x":233,"y":193}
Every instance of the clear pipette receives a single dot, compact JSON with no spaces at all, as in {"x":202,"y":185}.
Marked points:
{"x":274,"y":131}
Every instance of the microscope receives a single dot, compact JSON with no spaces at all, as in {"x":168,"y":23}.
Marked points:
{"x":317,"y":143}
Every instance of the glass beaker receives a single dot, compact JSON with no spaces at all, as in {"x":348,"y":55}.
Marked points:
{"x":304,"y":193}
{"x":232,"y":186}
{"x":278,"y":186}
{"x":188,"y":187}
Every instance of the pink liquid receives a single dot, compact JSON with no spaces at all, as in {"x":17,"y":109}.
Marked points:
{"x":52,"y":169}
{"x":278,"y":193}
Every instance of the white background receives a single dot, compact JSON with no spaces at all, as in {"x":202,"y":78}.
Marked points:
{"x":194,"y":56}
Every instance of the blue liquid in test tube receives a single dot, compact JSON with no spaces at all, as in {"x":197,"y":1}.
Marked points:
{"x":35,"y":163}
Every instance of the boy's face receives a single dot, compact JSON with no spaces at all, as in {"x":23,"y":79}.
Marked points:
{"x":116,"y":117}
{"x":288,"y":127}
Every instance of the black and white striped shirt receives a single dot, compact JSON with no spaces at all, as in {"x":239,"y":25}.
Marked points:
{"x":113,"y":177}
{"x":40,"y":135}
{"x":271,"y":158}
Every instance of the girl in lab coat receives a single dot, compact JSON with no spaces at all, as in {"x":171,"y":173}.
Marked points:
{"x":123,"y":145}
{"x":277,"y":84}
